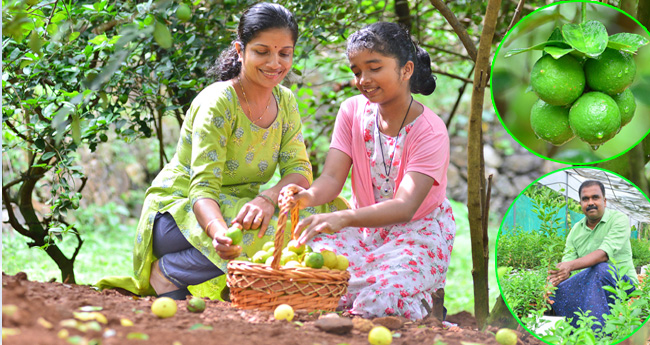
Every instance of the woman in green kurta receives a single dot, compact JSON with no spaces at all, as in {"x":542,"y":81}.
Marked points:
{"x":236,"y":132}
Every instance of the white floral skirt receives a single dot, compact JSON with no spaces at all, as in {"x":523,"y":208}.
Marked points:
{"x":394,"y":269}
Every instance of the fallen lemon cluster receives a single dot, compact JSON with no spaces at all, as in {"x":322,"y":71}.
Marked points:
{"x":296,"y":255}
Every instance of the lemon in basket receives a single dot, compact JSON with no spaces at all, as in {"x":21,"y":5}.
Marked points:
{"x":295,"y":247}
{"x":314,"y":260}
{"x":329,"y":258}
{"x":342,"y":263}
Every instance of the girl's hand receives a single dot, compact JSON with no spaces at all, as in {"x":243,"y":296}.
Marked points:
{"x":223,"y":245}
{"x":256,"y":214}
{"x":300,"y":197}
{"x":328,"y":223}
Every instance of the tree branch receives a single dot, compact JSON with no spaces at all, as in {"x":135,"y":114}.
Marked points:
{"x":467,"y":80}
{"x":431,"y":46}
{"x":457,"y":26}
{"x":517,"y":15}
{"x":13,"y":220}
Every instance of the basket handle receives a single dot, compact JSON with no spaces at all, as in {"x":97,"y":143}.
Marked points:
{"x":282,"y":223}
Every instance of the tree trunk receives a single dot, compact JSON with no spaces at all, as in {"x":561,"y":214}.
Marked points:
{"x":501,"y":316}
{"x":403,"y":13}
{"x":36,"y":231}
{"x":475,"y":170}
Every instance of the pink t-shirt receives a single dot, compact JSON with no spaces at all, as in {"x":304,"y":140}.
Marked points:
{"x":426,"y":151}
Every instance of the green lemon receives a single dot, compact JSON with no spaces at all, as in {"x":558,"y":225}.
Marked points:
{"x":260,"y":257}
{"x":235,"y":234}
{"x":595,"y":118}
{"x":626,"y":105}
{"x":196,"y":305}
{"x":183,"y":13}
{"x":314,"y":260}
{"x":612,"y":72}
{"x":288,"y":256}
{"x":551,"y":123}
{"x":558,"y":82}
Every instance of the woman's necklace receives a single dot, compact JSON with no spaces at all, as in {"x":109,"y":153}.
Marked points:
{"x":386,"y":189}
{"x":248,"y":104}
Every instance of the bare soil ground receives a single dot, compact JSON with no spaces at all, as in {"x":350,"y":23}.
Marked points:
{"x":43,"y":314}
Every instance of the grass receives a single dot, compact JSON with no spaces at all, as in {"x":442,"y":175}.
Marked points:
{"x":108,"y":232}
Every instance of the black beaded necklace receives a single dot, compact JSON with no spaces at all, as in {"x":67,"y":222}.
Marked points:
{"x":386,"y":189}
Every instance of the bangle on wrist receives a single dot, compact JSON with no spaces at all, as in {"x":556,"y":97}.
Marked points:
{"x":267,"y":198}
{"x":207,"y":227}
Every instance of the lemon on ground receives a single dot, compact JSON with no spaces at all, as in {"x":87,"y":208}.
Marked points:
{"x":506,"y":336}
{"x":558,"y":82}
{"x":314,"y":260}
{"x":196,"y":305}
{"x":283,"y":312}
{"x":329,"y":258}
{"x":342,"y":263}
{"x":164,"y":307}
{"x":595,"y":118}
{"x":626,"y":105}
{"x":612,"y":72}
{"x":380,"y":335}
{"x":551,"y":123}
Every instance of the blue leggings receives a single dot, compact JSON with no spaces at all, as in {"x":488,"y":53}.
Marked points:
{"x":584,"y":291}
{"x":178,"y":260}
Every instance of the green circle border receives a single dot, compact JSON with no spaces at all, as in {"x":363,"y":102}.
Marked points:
{"x":496,"y":53}
{"x":496,"y":247}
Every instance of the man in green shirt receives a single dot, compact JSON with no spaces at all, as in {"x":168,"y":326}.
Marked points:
{"x":594,"y":244}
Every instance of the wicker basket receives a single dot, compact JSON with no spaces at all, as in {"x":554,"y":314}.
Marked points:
{"x":264,"y":287}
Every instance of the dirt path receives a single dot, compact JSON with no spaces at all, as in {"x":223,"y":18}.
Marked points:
{"x":44,"y":315}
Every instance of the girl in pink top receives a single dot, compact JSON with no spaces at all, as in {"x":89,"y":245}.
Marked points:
{"x":399,"y":234}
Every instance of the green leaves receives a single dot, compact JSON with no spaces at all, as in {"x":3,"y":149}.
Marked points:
{"x":589,"y":38}
{"x":626,"y":42}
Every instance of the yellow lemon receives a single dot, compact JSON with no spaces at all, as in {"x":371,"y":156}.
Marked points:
{"x":295,"y":247}
{"x":292,"y":264}
{"x":329,"y":258}
{"x":268,"y":245}
{"x":164,"y":307}
{"x":342,"y":263}
{"x":380,"y":335}
{"x":506,"y":336}
{"x":283,"y":312}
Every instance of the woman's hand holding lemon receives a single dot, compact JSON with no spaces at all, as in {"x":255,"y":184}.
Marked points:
{"x":226,"y":244}
{"x":256,"y":214}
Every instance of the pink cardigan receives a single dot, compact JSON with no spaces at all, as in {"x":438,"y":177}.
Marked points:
{"x":426,"y":150}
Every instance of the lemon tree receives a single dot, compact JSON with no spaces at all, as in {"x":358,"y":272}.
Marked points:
{"x":582,"y":80}
{"x":595,"y":118}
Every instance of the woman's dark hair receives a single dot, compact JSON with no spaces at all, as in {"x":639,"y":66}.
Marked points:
{"x":255,"y":19}
{"x":391,"y":39}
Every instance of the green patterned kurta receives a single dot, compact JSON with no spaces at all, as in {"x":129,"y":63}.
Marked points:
{"x":223,"y":156}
